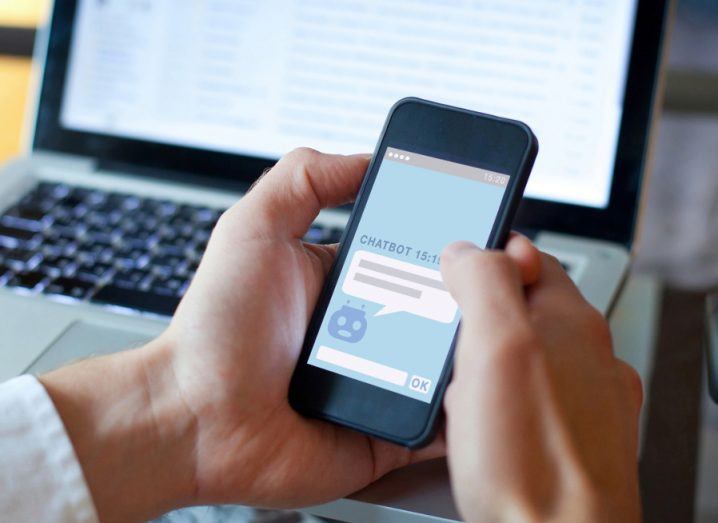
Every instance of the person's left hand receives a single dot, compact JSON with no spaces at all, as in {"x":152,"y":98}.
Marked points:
{"x":205,"y":405}
{"x":236,"y":337}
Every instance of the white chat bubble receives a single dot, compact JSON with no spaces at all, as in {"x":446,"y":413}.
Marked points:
{"x":399,"y":286}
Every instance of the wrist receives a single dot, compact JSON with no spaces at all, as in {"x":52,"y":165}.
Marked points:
{"x":132,"y":433}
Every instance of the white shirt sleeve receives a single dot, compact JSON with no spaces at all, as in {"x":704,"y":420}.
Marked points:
{"x":40,"y":476}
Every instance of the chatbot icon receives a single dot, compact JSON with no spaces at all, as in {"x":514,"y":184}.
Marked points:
{"x":348,"y":324}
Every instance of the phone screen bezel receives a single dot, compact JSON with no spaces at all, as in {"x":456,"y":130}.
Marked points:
{"x":497,"y":144}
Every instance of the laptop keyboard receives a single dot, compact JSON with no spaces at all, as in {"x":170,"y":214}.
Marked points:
{"x":83,"y":244}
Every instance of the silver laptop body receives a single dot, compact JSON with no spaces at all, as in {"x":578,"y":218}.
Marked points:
{"x":84,"y":130}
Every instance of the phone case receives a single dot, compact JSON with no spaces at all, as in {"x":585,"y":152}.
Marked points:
{"x":497,"y":239}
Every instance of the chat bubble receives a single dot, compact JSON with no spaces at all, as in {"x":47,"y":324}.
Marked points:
{"x":399,"y":286}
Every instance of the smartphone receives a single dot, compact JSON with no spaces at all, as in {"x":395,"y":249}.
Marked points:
{"x":378,"y":350}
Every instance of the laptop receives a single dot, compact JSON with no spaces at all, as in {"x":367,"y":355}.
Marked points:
{"x":152,"y":117}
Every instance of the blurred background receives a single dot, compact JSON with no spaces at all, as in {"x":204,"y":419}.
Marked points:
{"x":18,"y":19}
{"x":678,"y":241}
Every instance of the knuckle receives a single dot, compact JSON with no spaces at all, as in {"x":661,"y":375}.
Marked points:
{"x":598,"y":330}
{"x":301,"y":156}
{"x":495,"y":262}
{"x":302,"y":161}
{"x":226,"y":227}
{"x":551,"y":260}
{"x":224,"y":219}
{"x":633,"y":381}
{"x":598,"y":324}
{"x":499,"y":259}
{"x":472,"y":271}
{"x":233,"y":220}
{"x":466,"y":264}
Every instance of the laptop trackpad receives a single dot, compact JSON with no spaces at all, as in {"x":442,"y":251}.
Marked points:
{"x":82,"y":340}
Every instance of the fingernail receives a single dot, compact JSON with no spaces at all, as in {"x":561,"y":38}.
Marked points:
{"x":457,"y":249}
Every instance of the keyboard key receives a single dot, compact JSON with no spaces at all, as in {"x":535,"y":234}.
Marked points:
{"x":177,"y":248}
{"x":201,"y":236}
{"x":60,"y":245}
{"x":51,"y":271}
{"x":162,"y":290}
{"x":98,"y":236}
{"x":5,"y":273}
{"x":178,"y":221}
{"x":63,"y":218}
{"x":62,"y":232}
{"x":73,"y":200}
{"x":73,"y":287}
{"x":150,"y":205}
{"x":188,"y":212}
{"x":67,"y":247}
{"x":122,"y":201}
{"x":59,"y":265}
{"x":169,"y":261}
{"x":137,"y":300}
{"x":19,"y":257}
{"x":51,"y":190}
{"x":130,"y":279}
{"x":74,"y":240}
{"x":200,"y":246}
{"x":93,"y":272}
{"x":98,"y":219}
{"x":167,"y":209}
{"x":27,"y":280}
{"x":323,"y":235}
{"x":35,"y":203}
{"x":207,"y":216}
{"x":129,"y":257}
{"x":335,"y":234}
{"x":315,"y":234}
{"x":128,"y":227}
{"x":169,"y":286}
{"x":91,"y":251}
{"x":15,"y":235}
{"x":141,"y":238}
{"x":26,"y":218}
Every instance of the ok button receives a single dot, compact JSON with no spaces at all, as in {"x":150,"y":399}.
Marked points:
{"x":419,"y":384}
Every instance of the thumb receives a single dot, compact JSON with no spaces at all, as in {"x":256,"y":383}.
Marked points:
{"x":286,"y":200}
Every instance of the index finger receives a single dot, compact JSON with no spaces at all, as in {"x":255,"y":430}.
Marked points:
{"x":488,"y":288}
{"x":553,"y":284}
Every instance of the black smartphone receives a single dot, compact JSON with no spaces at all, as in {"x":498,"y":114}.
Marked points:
{"x":378,"y":351}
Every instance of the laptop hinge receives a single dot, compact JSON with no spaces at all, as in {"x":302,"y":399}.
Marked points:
{"x":48,"y":161}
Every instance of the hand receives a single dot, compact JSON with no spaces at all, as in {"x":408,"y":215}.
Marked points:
{"x":542,"y":419}
{"x":205,"y":405}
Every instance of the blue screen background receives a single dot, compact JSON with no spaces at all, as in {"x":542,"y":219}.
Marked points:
{"x":427,"y":210}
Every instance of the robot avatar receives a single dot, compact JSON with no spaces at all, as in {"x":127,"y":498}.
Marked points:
{"x":348,"y":324}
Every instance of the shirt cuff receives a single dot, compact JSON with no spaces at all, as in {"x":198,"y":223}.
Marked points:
{"x":40,"y":476}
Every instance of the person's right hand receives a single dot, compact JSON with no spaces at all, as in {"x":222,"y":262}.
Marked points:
{"x":542,"y":418}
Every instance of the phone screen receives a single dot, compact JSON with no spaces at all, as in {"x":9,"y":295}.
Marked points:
{"x":390,"y":321}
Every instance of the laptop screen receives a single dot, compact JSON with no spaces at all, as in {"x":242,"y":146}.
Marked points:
{"x":260,"y":78}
